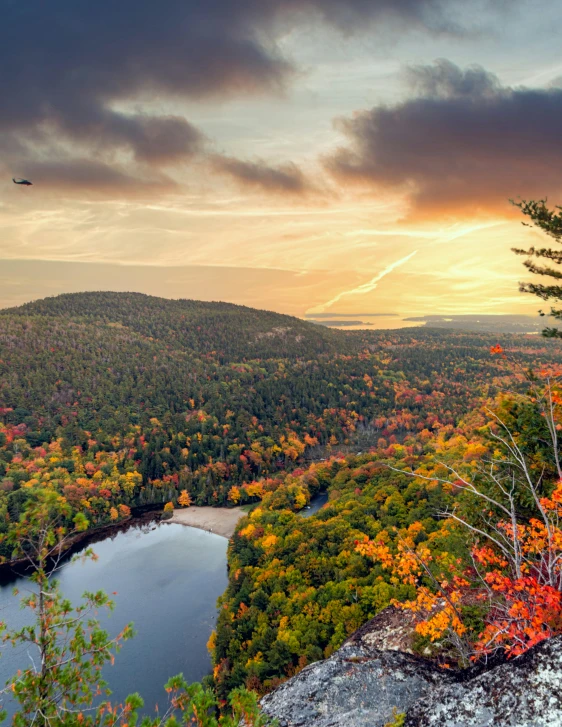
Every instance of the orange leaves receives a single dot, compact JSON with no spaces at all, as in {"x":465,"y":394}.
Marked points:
{"x":377,"y":551}
{"x":242,"y":610}
{"x":184,"y":499}
{"x":528,"y":613}
{"x":496,"y":350}
{"x":487,"y":557}
{"x":552,"y":371}
{"x":442,"y":620}
{"x":124,"y":511}
{"x":310,"y":441}
{"x":269,"y":542}
{"x":409,"y":564}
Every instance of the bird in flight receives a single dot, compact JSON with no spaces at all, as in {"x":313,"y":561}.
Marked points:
{"x":25,"y":182}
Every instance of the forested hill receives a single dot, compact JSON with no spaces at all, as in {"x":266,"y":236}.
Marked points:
{"x":126,"y":400}
{"x":233,"y":332}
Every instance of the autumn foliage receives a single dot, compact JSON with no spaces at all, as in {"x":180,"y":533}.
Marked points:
{"x":184,"y":499}
{"x":513,"y":568}
{"x":113,"y":402}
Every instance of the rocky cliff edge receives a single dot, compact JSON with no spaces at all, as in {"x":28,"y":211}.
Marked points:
{"x":364,"y":685}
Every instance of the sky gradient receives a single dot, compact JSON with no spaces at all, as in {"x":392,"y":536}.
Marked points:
{"x":306,"y":156}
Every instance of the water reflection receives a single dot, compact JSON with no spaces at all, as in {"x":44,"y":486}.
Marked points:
{"x":167,"y":579}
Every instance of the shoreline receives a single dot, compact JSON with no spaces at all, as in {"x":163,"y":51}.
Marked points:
{"x":75,"y":543}
{"x":217,"y":520}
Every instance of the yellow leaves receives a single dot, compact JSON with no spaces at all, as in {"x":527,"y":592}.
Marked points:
{"x":444,"y":620}
{"x":248,"y":531}
{"x":254,"y":489}
{"x":269,"y":542}
{"x":113,"y":514}
{"x":255,"y":660}
{"x":234,"y":494}
{"x":300,"y":499}
{"x":474,"y":451}
{"x":129,"y":482}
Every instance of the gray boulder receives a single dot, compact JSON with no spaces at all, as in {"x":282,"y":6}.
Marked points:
{"x":358,"y":686}
{"x":522,"y":692}
{"x":371,"y":677}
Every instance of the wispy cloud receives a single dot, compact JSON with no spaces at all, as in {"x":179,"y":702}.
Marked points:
{"x":365,"y":287}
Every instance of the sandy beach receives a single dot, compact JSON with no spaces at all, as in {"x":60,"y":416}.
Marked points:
{"x":218,"y":520}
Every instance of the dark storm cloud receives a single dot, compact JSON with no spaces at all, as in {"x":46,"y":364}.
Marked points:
{"x":284,"y":179}
{"x":67,"y":67}
{"x":464,"y":142}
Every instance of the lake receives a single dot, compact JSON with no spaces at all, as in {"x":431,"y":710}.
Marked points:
{"x":168,"y":578}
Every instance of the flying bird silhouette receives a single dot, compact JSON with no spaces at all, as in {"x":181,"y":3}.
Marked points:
{"x":25,"y":182}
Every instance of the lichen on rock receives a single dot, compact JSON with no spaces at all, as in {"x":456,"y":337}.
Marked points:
{"x":522,"y":692}
{"x":358,"y":686}
{"x":364,"y":686}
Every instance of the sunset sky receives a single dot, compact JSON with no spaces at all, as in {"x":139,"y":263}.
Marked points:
{"x":306,"y":156}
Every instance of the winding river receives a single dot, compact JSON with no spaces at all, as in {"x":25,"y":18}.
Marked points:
{"x":317,"y":502}
{"x":167,"y":578}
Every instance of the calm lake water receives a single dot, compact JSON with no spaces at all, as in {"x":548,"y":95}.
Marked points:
{"x":167,"y":578}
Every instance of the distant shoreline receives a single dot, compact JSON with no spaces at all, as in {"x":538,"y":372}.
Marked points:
{"x":217,"y":520}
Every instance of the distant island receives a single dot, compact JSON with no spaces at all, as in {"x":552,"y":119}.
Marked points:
{"x":338,"y":323}
{"x":483,"y":323}
{"x":313,"y":316}
{"x":492,"y":323}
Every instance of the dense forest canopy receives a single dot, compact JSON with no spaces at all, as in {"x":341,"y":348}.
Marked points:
{"x":230,"y":332}
{"x":124,"y":399}
{"x":113,"y":401}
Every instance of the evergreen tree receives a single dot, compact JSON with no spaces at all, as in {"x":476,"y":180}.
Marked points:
{"x":548,"y":220}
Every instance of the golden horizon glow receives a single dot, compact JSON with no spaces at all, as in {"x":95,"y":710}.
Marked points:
{"x":322,"y":190}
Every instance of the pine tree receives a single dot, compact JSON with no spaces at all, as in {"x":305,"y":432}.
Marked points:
{"x":550,"y":221}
